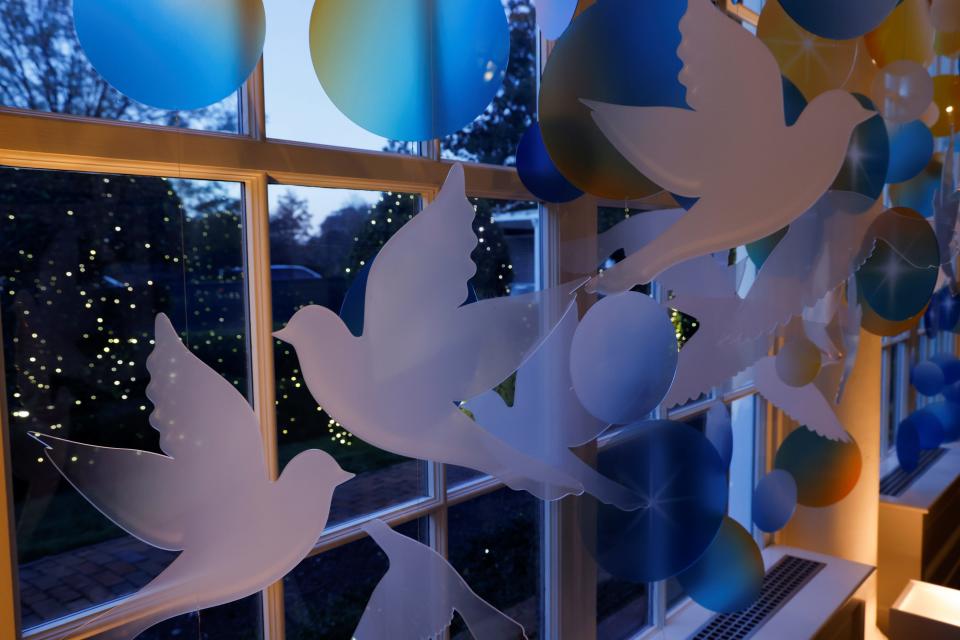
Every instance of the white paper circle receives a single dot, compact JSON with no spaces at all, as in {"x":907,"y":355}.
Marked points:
{"x":902,"y":91}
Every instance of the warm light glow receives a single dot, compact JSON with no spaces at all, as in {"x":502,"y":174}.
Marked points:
{"x":930,"y":601}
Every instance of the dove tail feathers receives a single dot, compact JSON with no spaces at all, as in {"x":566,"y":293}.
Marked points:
{"x":484,"y":620}
{"x":601,"y":487}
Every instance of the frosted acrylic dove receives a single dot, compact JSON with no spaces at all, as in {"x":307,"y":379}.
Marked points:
{"x":735,"y":127}
{"x":420,"y":593}
{"x":422,"y":351}
{"x":209,"y":496}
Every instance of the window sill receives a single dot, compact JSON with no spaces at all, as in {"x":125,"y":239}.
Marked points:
{"x":802,"y":617}
{"x":927,"y":489}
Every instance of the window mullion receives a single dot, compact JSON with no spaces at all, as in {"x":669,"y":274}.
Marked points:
{"x":253,"y":109}
{"x":9,"y":599}
{"x":260,"y":338}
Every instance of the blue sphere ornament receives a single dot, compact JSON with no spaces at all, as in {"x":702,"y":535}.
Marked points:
{"x":729,"y":576}
{"x":927,"y":378}
{"x":911,"y":148}
{"x":172,"y":54}
{"x":774,"y":501}
{"x":680,"y":474}
{"x":943,"y":314}
{"x":537,"y":171}
{"x":623,"y":358}
{"x":908,"y":445}
{"x":410,"y":69}
{"x":843,"y":20}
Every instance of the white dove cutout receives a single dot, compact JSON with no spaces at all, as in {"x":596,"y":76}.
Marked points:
{"x":398,"y":385}
{"x":808,"y":404}
{"x":210,"y":497}
{"x":546,"y":419}
{"x":419,"y":594}
{"x":735,"y":127}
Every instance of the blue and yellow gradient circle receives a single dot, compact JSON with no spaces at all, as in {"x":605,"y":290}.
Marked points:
{"x":729,"y":576}
{"x":826,"y":470}
{"x":172,"y":54}
{"x":410,"y":69}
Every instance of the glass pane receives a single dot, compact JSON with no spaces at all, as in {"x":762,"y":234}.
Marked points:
{"x":494,"y":543}
{"x":743,"y":465}
{"x":324,"y":597}
{"x":622,"y":607}
{"x":508,"y":263}
{"x":297,"y":107}
{"x":240,"y":620}
{"x":493,"y":136}
{"x":43,"y":68}
{"x":319,"y":240}
{"x":86,"y":261}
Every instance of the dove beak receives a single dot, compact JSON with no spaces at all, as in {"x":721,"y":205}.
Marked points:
{"x":345,"y":476}
{"x":284,"y":334}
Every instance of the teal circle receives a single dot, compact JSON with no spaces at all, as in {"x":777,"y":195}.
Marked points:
{"x":911,"y":148}
{"x":410,"y":69}
{"x":728,"y":577}
{"x":868,"y":156}
{"x":899,"y":286}
{"x":172,"y":54}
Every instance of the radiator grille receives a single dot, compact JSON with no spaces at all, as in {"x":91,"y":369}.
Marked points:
{"x":782,"y":582}
{"x":897,"y":481}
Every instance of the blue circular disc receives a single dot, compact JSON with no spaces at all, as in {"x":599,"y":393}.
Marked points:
{"x":172,"y":54}
{"x":950,"y":365}
{"x":908,"y":445}
{"x":948,"y":414}
{"x":927,"y":378}
{"x":911,"y":148}
{"x":930,"y":428}
{"x":729,"y":576}
{"x":943,"y":314}
{"x":410,"y":69}
{"x":868,"y":157}
{"x":951,"y":393}
{"x":774,"y":501}
{"x":537,"y":171}
{"x":839,"y":20}
{"x":681,"y":475}
{"x":623,"y":358}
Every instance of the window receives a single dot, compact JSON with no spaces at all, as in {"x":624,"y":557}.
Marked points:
{"x":87,"y":262}
{"x":42,"y":68}
{"x":96,"y":241}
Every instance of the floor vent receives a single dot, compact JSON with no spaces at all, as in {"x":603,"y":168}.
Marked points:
{"x":897,"y":481}
{"x":781,"y":583}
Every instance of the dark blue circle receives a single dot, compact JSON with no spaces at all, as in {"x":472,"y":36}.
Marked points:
{"x":537,"y":171}
{"x":794,"y":102}
{"x":908,"y":445}
{"x":868,"y":156}
{"x":930,"y":428}
{"x":681,"y":474}
{"x":951,"y":392}
{"x":839,"y":19}
{"x":943,"y":314}
{"x":948,"y":413}
{"x":950,"y":365}
{"x":911,"y":147}
{"x":927,"y":378}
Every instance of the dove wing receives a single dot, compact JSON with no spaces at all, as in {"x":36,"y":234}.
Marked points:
{"x":415,"y":322}
{"x":806,"y":405}
{"x":666,"y":144}
{"x":137,"y":490}
{"x":728,"y":72}
{"x":205,"y":424}
{"x":546,"y":416}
